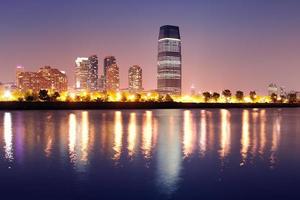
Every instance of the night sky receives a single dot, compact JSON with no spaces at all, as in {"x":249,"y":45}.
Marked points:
{"x":231,"y":44}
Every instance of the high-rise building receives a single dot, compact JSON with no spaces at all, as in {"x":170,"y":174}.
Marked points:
{"x":169,"y":60}
{"x":93,"y":73}
{"x":108,"y":61}
{"x":82,"y":73}
{"x":46,"y":78}
{"x":19,"y":71}
{"x":101,"y":83}
{"x":135,"y":79}
{"x":112,"y":81}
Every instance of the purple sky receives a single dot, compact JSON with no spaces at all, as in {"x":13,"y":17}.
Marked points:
{"x":232,"y":44}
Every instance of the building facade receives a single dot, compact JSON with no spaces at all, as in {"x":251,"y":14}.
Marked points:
{"x":82,"y":65}
{"x":108,"y":61}
{"x":169,"y":68}
{"x":135,"y":79}
{"x":93,"y":73}
{"x":101,"y":83}
{"x":46,"y":78}
{"x":112,"y":80}
{"x":19,"y":70}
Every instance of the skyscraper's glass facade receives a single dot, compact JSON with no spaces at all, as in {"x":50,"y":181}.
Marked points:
{"x":108,"y":61}
{"x":93,"y":73}
{"x":169,"y":60}
{"x":81,"y":73}
{"x":135,"y":79}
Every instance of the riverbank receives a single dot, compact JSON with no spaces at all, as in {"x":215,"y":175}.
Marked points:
{"x":132,"y":105}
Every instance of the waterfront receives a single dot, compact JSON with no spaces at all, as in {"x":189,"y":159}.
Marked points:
{"x":150,"y":154}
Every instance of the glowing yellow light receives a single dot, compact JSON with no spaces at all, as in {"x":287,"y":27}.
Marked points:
{"x":7,"y":94}
{"x":118,"y":96}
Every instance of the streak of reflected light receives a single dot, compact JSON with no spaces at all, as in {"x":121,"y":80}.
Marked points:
{"x":203,"y":133}
{"x":84,"y":135}
{"x":275,"y":140}
{"x":225,"y":133}
{"x":147,"y":134}
{"x":117,"y":147}
{"x":262,"y":139}
{"x":8,"y":148}
{"x":245,"y":141}
{"x":188,"y":134}
{"x":131,"y":140}
{"x":72,"y":137}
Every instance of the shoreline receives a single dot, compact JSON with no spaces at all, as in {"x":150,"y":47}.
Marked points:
{"x":133,"y":105}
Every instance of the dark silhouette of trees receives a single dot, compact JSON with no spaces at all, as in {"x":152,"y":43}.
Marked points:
{"x":274,"y":98}
{"x":207,"y":96}
{"x":168,"y":98}
{"x":227,"y":94}
{"x":44,"y":96}
{"x":54,"y":96}
{"x":138,"y":97}
{"x":252,"y":95}
{"x":292,"y":97}
{"x":124,"y":97}
{"x":216,"y":96}
{"x":239,"y":95}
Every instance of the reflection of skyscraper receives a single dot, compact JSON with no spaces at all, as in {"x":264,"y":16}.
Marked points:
{"x":169,"y":60}
{"x":135,"y":79}
{"x":112,"y":82}
{"x":108,"y":61}
{"x":93,"y":73}
{"x":169,"y":160}
{"x":81,"y":73}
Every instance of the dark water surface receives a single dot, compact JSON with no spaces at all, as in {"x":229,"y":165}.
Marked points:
{"x":158,"y":154}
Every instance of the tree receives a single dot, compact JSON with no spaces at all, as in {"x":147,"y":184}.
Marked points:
{"x":252,"y":95}
{"x":216,"y":96}
{"x":227,"y":94}
{"x":239,"y":95}
{"x":274,"y":97}
{"x":160,"y":98}
{"x":292,"y":97}
{"x":207,"y":96}
{"x":123,"y":97}
{"x":138,"y":97}
{"x":29,"y":98}
{"x":55,"y":96}
{"x":43,"y":95}
{"x":168,"y":98}
{"x":86,"y":98}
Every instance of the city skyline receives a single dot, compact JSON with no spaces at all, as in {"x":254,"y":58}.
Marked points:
{"x":225,"y":45}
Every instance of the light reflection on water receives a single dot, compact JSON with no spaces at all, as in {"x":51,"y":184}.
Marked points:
{"x":163,"y":141}
{"x":8,"y":136}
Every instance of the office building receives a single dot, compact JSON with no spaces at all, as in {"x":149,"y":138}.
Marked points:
{"x":135,"y":79}
{"x":112,"y":80}
{"x":169,"y":61}
{"x":93,"y":73}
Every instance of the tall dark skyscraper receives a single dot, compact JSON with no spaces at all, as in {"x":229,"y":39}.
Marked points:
{"x":169,"y":60}
{"x":93,"y":73}
{"x":108,"y":61}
